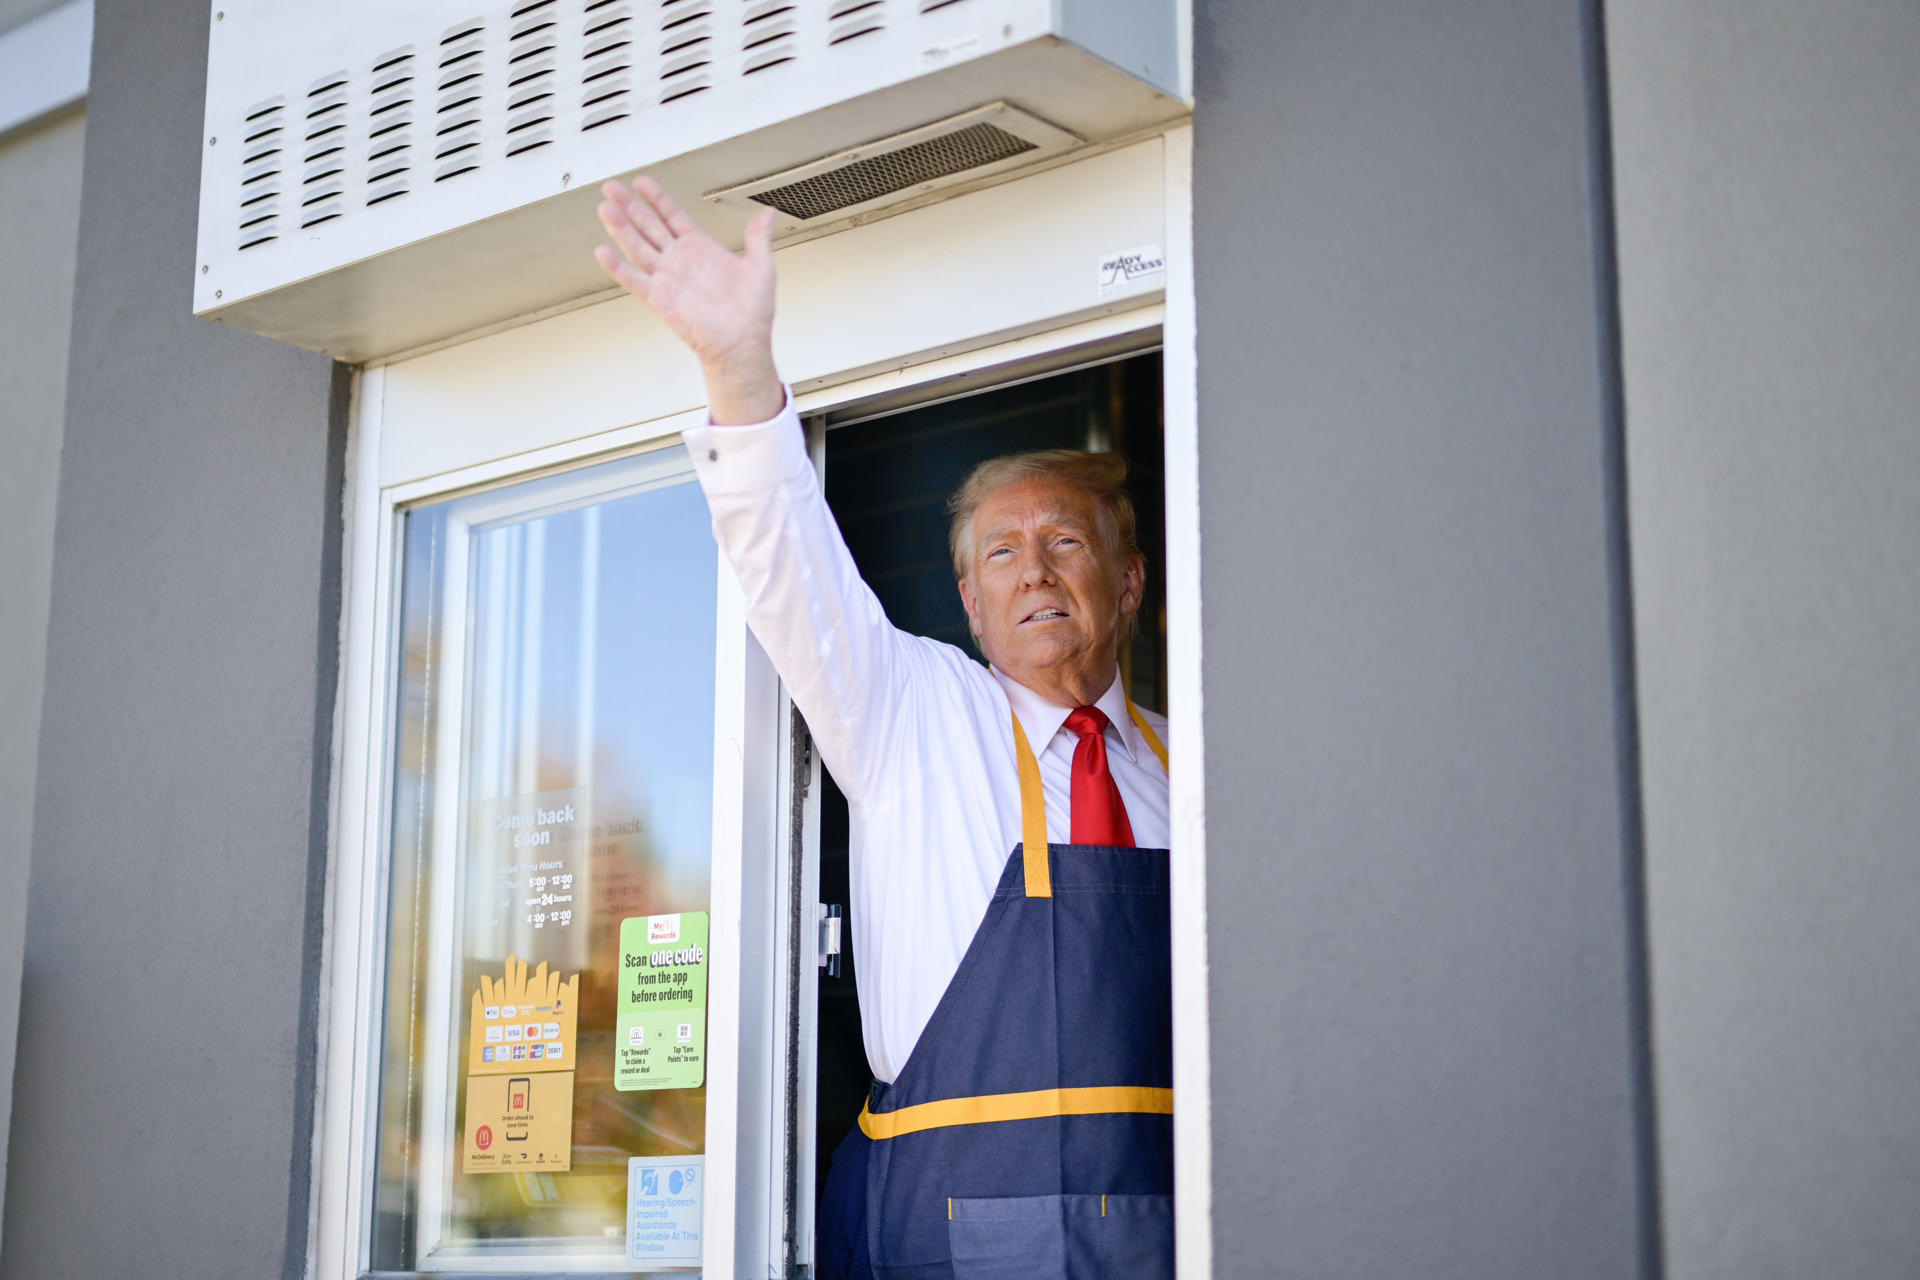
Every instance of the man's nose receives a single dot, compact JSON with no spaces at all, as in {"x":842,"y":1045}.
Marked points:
{"x":1036,"y":566}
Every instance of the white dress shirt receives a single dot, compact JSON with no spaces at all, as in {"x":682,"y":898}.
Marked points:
{"x":917,"y":734}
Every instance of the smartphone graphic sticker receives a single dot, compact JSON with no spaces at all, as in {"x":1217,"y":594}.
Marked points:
{"x":519,"y":1103}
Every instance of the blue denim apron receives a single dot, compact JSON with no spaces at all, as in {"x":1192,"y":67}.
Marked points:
{"x":1030,"y":1133}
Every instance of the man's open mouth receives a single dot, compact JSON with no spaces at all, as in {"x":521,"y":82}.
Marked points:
{"x":1043,"y":615}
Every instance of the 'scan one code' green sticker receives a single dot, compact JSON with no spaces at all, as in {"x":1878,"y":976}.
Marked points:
{"x":660,"y":1034}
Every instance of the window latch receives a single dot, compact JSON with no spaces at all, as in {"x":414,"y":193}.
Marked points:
{"x":829,"y":950}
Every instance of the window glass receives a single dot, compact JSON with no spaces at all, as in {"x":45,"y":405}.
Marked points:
{"x":553,"y":712}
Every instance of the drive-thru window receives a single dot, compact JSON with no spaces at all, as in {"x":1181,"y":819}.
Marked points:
{"x":590,"y":1006}
{"x":552,"y":781}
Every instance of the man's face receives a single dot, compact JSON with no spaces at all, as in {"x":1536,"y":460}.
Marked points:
{"x":1047,"y":598}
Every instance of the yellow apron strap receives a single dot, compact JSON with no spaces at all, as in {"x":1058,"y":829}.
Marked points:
{"x":1033,"y":817}
{"x":1041,"y":1103}
{"x":1037,"y":1105}
{"x":1146,"y":731}
{"x":1033,"y":802}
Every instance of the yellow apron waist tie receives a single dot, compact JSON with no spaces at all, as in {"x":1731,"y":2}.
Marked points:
{"x":1040,"y":1104}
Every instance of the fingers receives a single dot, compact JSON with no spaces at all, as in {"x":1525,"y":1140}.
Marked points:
{"x":668,"y":209}
{"x":640,"y":209}
{"x":650,"y":224}
{"x":629,"y":277}
{"x":760,"y":235}
{"x":639,"y":250}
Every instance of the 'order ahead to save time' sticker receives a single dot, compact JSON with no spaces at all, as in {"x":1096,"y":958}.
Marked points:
{"x":660,"y":1034}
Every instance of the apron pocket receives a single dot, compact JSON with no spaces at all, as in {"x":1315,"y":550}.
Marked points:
{"x":1062,"y":1238}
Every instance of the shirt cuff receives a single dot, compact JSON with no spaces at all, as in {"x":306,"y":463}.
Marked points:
{"x":749,"y":459}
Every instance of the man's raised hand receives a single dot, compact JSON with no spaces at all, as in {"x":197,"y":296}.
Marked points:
{"x":719,"y":303}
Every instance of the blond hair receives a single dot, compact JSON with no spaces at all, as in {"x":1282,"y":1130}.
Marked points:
{"x":1100,"y":475}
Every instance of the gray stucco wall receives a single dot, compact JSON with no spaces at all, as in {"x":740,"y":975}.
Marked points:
{"x":1420,"y":817}
{"x":1769,"y":197}
{"x":15,"y":12}
{"x":163,"y":1092}
{"x":40,"y":210}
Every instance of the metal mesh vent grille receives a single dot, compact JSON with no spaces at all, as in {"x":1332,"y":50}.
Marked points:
{"x":882,"y":175}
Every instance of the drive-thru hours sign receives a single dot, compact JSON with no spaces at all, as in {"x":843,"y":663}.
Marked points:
{"x":660,"y":1034}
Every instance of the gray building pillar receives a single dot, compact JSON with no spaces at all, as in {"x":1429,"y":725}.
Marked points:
{"x":1769,"y":196}
{"x":163,"y":1094}
{"x":1423,"y":875}
{"x":40,"y":209}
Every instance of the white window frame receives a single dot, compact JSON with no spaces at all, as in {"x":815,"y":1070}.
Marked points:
{"x":560,"y":391}
{"x":478,"y":512}
{"x":746,"y":713}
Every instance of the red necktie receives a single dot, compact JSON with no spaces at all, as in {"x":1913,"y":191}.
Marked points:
{"x":1099,"y":815}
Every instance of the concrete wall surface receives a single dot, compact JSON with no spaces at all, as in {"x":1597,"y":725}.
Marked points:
{"x":15,"y":12}
{"x":1421,"y":842}
{"x":40,"y":212}
{"x":1768,"y":161}
{"x":163,"y":1091}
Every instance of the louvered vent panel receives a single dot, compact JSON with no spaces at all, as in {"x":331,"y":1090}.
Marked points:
{"x":882,"y":175}
{"x":533,"y":75}
{"x":606,"y":64}
{"x":263,"y":156}
{"x":770,"y":35}
{"x":448,"y":185}
{"x":686,"y":48}
{"x":851,"y":19}
{"x":390,"y":110}
{"x":460,"y":85}
{"x":323,"y":156}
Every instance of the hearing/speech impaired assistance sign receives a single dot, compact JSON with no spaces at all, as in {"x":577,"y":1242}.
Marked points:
{"x":664,"y":1195}
{"x":660,"y":1032}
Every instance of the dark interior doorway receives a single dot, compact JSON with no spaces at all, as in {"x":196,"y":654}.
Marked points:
{"x":888,"y":480}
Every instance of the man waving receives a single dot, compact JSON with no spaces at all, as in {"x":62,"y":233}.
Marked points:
{"x":1009,"y":825}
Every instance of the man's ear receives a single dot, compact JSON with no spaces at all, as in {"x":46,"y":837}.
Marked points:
{"x":1133,"y":585}
{"x":972,"y":604}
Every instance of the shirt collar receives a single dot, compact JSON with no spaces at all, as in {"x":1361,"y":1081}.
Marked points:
{"x":1042,"y":719}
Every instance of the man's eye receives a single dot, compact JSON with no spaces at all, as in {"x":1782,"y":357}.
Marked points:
{"x":999,"y":551}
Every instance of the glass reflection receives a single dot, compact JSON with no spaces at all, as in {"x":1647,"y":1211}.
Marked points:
{"x":554,"y":746}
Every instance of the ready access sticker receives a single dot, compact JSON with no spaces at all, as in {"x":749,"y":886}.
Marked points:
{"x":663,"y":1208}
{"x":660,"y":1032}
{"x":1133,"y":270}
